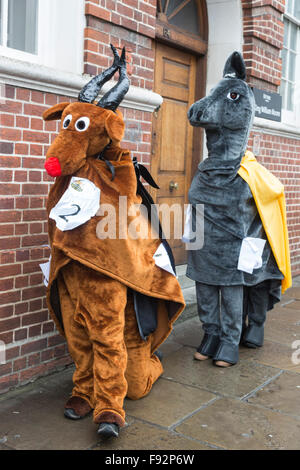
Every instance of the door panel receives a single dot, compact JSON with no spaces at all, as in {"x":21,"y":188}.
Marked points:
{"x":175,"y":76}
{"x":173,"y":143}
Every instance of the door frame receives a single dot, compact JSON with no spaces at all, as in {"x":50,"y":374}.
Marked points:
{"x":172,"y":36}
{"x":195,"y":140}
{"x":177,"y":37}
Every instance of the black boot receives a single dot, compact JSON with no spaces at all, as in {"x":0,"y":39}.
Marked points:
{"x":159,"y":354}
{"x":71,"y":414}
{"x":107,"y":430}
{"x":253,"y":336}
{"x":227,"y":352}
{"x":209,"y":345}
{"x":77,"y":408}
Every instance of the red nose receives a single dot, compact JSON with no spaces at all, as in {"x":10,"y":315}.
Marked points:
{"x":52,"y":166}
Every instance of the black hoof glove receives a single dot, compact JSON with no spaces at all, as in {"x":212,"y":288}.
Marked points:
{"x":71,"y":414}
{"x":226,"y":352}
{"x":253,"y":336}
{"x":107,"y":430}
{"x":159,"y":354}
{"x":209,"y":345}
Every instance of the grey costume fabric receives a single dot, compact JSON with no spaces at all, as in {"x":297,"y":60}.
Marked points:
{"x":228,"y":298}
{"x":227,"y":220}
{"x":230,"y":212}
{"x":216,"y":303}
{"x":257,"y":302}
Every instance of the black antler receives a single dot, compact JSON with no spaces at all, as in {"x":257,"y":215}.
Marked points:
{"x":91,"y":90}
{"x":113,"y":97}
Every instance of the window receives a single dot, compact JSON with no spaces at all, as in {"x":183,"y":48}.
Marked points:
{"x":19,"y":25}
{"x":181,"y":13}
{"x":183,"y":23}
{"x":44,"y":32}
{"x":291,"y":63}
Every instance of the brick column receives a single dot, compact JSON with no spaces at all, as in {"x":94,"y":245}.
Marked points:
{"x":277,"y":149}
{"x":263,"y":41}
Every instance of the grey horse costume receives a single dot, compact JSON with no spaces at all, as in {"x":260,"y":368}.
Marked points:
{"x":226,"y":295}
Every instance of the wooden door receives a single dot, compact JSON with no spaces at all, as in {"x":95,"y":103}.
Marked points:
{"x":172,"y":139}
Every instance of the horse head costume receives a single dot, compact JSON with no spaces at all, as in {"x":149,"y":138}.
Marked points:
{"x":245,"y":255}
{"x":107,"y":292}
{"x":227,"y":112}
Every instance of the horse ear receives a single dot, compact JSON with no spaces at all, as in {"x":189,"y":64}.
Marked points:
{"x":235,"y":66}
{"x":115,"y":126}
{"x":55,"y":112}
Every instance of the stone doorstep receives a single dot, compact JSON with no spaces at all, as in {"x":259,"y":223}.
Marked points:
{"x":189,"y":293}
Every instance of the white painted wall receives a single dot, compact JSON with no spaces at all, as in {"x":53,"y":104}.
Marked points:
{"x":61,"y":34}
{"x":60,"y":37}
{"x":225,"y":35}
{"x":225,"y":23}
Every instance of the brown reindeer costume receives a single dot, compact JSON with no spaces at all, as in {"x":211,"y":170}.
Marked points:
{"x":110,"y":300}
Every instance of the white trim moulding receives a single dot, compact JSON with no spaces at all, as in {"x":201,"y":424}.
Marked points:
{"x":39,"y":77}
{"x":276,"y":128}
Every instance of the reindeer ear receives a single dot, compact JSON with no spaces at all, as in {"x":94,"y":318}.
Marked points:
{"x":235,"y":66}
{"x":55,"y":112}
{"x":115,"y":126}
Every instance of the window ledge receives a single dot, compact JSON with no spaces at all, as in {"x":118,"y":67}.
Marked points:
{"x":42,"y":78}
{"x":278,"y":128}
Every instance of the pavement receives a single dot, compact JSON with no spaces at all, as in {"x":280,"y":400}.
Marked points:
{"x":194,"y":406}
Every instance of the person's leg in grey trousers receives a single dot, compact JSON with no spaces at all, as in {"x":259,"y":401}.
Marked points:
{"x":256,"y":301}
{"x":220,"y":310}
{"x":231,"y":314}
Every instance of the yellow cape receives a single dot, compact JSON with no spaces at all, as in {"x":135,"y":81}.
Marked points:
{"x":268,"y":193}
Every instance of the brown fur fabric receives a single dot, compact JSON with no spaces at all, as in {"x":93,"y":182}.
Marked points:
{"x":109,"y":417}
{"x":100,"y":326}
{"x":128,"y":261}
{"x":79,"y":405}
{"x":91,"y":279}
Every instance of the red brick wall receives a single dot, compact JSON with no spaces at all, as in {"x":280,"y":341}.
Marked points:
{"x":263,"y":41}
{"x":131,"y":24}
{"x":33,"y":347}
{"x":281,"y":155}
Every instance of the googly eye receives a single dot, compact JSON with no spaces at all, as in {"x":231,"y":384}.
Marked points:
{"x":82,"y":124}
{"x":233,"y":96}
{"x":67,"y":121}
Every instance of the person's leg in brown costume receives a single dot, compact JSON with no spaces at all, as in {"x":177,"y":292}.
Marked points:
{"x":93,"y":314}
{"x":80,"y":349}
{"x":143,"y":369}
{"x":99,"y":316}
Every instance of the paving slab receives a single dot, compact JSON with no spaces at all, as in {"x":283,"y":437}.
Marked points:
{"x":237,"y":425}
{"x":143,"y":436}
{"x":282,"y":394}
{"x":3,"y":447}
{"x":273,"y":354}
{"x":295,"y":305}
{"x":236,"y":381}
{"x":168,"y":403}
{"x":34,"y":420}
{"x":293,"y":292}
{"x":189,"y":333}
{"x":283,"y":326}
{"x":169,"y":347}
{"x":193,"y":406}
